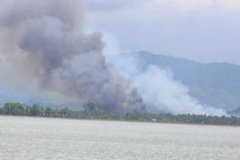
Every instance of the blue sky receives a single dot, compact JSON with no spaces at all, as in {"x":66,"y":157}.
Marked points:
{"x":200,"y":30}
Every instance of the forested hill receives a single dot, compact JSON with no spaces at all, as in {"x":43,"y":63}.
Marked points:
{"x":216,"y":84}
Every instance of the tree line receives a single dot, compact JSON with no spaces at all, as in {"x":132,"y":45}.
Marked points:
{"x":20,"y":109}
{"x":34,"y":110}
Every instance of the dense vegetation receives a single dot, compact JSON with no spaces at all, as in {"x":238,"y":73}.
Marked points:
{"x":35,"y":110}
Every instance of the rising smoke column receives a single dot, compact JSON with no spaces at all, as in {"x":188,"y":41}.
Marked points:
{"x":159,"y":89}
{"x":44,"y":41}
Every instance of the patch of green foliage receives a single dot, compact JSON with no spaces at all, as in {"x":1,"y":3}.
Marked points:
{"x":35,"y":110}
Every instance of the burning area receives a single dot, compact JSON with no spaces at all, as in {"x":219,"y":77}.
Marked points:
{"x":44,"y":42}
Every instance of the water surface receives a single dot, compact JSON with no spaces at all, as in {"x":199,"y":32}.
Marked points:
{"x":25,"y":138}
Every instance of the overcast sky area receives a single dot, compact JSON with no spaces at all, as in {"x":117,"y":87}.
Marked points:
{"x":199,"y":30}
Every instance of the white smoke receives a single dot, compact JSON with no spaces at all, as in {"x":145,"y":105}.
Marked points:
{"x":159,"y":89}
{"x":43,"y":44}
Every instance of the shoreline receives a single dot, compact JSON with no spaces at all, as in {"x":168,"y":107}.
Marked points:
{"x":114,"y":120}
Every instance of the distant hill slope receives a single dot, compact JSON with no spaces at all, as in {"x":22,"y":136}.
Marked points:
{"x":215,"y":84}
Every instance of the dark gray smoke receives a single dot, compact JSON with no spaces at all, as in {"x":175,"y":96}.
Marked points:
{"x":44,"y":41}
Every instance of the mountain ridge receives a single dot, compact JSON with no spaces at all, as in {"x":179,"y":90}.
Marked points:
{"x":214,"y":84}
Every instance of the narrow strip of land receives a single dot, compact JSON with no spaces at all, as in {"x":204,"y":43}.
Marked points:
{"x":19,"y":109}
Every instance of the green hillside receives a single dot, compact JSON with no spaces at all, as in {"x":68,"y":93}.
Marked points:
{"x":214,"y":84}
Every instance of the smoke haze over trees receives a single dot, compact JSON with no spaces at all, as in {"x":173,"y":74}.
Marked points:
{"x":18,"y":109}
{"x":44,"y":43}
{"x":158,"y":87}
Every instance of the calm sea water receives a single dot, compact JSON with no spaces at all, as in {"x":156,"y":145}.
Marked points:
{"x":23,"y":138}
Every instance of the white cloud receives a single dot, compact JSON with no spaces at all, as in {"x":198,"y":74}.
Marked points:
{"x":230,"y":4}
{"x":193,"y":4}
{"x":109,"y":5}
{"x":184,"y":4}
{"x":200,"y":30}
{"x":108,"y":10}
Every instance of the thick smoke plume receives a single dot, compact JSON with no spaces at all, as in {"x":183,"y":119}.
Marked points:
{"x":44,"y":42}
{"x":158,"y":88}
